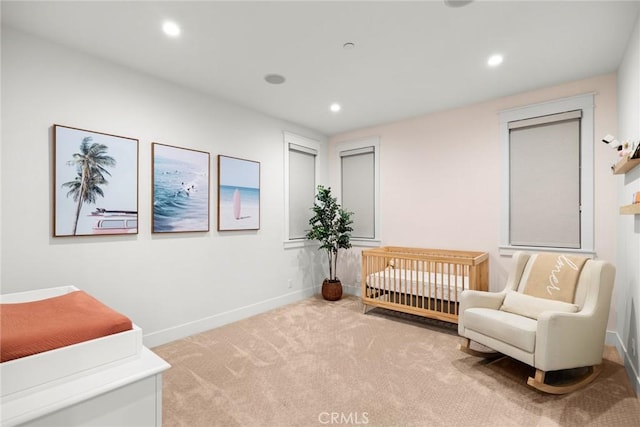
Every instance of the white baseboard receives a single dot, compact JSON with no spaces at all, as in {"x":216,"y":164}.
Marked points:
{"x":613,"y":338}
{"x":164,"y":336}
{"x":352,"y":289}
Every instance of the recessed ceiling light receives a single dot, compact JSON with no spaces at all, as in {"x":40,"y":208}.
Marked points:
{"x":274,"y":79}
{"x":457,"y":3}
{"x":335,"y":107}
{"x":171,"y":29}
{"x":348,"y":45}
{"x":495,"y":60}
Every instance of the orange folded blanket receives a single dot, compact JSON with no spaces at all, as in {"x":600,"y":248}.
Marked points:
{"x":37,"y":326}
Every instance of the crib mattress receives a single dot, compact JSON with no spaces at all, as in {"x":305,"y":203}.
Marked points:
{"x":420,"y":283}
{"x":28,"y":328}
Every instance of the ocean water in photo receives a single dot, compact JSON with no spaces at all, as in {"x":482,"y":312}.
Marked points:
{"x":181,"y":191}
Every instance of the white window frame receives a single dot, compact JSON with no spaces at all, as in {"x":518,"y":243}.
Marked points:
{"x":355,"y":145}
{"x":585,"y":103}
{"x":312,"y":145}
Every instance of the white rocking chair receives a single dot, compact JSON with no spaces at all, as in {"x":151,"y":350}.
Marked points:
{"x":546,"y":334}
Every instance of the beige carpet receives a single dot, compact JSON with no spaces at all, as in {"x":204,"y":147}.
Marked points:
{"x":316,"y":363}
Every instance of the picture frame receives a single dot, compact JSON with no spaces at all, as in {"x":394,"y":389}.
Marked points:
{"x":238,"y":194}
{"x":180,"y":189}
{"x":95,"y":183}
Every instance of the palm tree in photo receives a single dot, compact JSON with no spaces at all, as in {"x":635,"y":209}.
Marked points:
{"x":91,"y":166}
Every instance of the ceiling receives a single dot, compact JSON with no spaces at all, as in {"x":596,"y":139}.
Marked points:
{"x":408,"y":59}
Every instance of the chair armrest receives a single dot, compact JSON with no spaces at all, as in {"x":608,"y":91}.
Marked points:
{"x":472,"y":298}
{"x":569,"y":340}
{"x":572,"y":340}
{"x":483,"y":299}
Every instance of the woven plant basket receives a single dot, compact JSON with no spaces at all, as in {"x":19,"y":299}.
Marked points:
{"x":331,"y":290}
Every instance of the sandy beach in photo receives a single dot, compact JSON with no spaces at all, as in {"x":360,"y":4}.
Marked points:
{"x":249,"y":204}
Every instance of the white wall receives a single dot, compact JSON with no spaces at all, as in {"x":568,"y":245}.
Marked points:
{"x":170,"y":285}
{"x":440,"y":175}
{"x":440,"y":187}
{"x":628,"y":260}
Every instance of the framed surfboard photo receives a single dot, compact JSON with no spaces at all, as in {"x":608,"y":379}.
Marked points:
{"x":238,"y":194}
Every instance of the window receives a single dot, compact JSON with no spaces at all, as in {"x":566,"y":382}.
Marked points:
{"x":112,"y":223}
{"x":547,"y":159}
{"x":301,"y":175}
{"x":359,"y":187}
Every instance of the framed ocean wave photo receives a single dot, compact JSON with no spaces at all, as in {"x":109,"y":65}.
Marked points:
{"x":95,"y":180}
{"x":180,"y":178}
{"x":238,"y":194}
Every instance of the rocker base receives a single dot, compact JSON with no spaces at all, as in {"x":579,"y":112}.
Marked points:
{"x":466,"y":348}
{"x":538,"y":383}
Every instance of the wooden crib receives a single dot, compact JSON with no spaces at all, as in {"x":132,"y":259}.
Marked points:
{"x":425,"y":282}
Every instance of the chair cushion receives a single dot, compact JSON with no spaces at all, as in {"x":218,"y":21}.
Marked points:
{"x":526,"y":305}
{"x":512,"y":329}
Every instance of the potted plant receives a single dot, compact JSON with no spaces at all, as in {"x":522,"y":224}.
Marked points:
{"x":330,"y":225}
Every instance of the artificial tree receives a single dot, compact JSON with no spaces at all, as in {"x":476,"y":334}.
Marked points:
{"x":331,"y":226}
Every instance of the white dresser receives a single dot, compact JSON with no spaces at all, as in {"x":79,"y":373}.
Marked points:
{"x":110,"y":381}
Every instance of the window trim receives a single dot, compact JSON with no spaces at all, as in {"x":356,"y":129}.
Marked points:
{"x":584,"y":102}
{"x":311,"y":145}
{"x":372,"y":141}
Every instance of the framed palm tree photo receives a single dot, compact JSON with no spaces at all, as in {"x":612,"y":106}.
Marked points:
{"x":95,"y":181}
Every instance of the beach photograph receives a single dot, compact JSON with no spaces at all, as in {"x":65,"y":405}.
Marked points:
{"x":238,"y":194}
{"x":180,"y":189}
{"x":96,"y":183}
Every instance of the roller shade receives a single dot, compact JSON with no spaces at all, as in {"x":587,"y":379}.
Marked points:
{"x":358,"y":189}
{"x":544,"y":168}
{"x":302,"y":189}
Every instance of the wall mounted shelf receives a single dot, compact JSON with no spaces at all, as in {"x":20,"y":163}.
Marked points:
{"x":625,"y":165}
{"x":630,"y":209}
{"x":620,"y":168}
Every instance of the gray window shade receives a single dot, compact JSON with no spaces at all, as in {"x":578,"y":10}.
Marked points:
{"x":546,"y":120}
{"x":302,"y":189}
{"x":358,"y":189}
{"x":544,"y":169}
